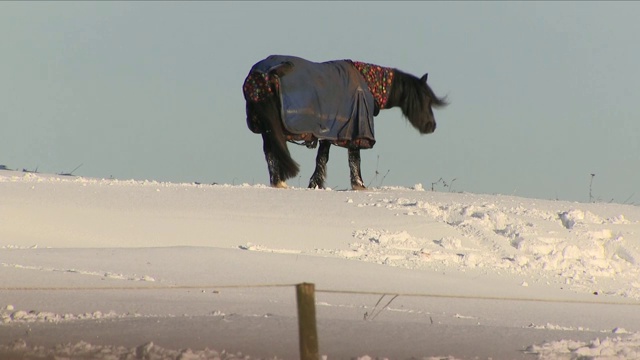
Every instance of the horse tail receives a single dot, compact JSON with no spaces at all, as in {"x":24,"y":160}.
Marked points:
{"x":273,"y":130}
{"x":262,"y":95}
{"x":264,"y":117}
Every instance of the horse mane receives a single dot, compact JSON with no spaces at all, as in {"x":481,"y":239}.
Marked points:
{"x":414,"y":90}
{"x":436,"y":101}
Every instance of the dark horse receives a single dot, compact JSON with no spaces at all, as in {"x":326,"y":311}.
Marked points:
{"x":334,"y":102}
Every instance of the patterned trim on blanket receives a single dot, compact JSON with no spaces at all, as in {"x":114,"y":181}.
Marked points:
{"x":311,"y":141}
{"x":379,"y":80}
{"x":256,"y":86}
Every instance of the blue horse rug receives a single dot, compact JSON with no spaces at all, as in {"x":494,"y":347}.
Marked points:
{"x":329,"y":100}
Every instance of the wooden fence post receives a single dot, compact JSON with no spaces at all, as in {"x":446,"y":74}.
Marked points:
{"x":305,"y":294}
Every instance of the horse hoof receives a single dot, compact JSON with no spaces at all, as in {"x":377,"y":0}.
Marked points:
{"x":280,"y":185}
{"x":316,"y":186}
{"x":358,"y":187}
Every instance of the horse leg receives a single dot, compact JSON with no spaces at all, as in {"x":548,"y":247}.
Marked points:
{"x":275,"y":176}
{"x":354,"y":169}
{"x":320,"y":173}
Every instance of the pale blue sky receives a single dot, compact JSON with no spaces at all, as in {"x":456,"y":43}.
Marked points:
{"x":542,"y":93}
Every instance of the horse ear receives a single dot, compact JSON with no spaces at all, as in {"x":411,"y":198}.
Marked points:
{"x":424,"y":77}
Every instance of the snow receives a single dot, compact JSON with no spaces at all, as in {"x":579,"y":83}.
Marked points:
{"x":126,"y":269}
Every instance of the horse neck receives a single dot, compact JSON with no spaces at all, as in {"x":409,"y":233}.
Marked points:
{"x":401,"y":90}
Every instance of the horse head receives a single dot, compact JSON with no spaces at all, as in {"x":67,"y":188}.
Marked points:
{"x":417,"y":100}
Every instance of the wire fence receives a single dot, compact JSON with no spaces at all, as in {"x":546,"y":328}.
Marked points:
{"x":328,"y":291}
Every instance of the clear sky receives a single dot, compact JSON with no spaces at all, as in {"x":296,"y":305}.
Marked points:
{"x":542,"y":94}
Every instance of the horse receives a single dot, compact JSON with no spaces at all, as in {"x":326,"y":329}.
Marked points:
{"x":291,"y":99}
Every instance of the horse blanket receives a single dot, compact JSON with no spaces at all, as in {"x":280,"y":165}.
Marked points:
{"x":331,"y":100}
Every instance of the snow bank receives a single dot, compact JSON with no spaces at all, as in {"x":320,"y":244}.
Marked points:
{"x":557,"y":269}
